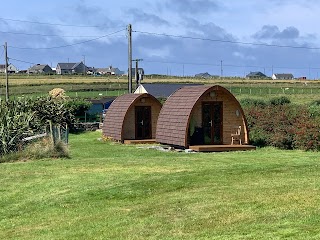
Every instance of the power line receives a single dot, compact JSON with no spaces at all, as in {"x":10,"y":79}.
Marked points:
{"x":17,"y":60}
{"x":2,"y":52}
{"x":67,"y":45}
{"x":228,"y":41}
{"x":47,"y":35}
{"x":181,"y":63}
{"x":55,"y":24}
{"x":226,"y":65}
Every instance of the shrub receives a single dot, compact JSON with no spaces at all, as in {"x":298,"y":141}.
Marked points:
{"x":15,"y":124}
{"x":252,"y":102}
{"x":22,"y":118}
{"x":280,"y":101}
{"x":283,"y":126}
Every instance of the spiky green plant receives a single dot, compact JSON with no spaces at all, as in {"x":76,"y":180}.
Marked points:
{"x":14,"y":125}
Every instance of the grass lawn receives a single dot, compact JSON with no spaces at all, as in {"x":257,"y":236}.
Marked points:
{"x":112,"y":191}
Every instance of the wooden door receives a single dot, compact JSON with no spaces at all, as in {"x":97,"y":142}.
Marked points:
{"x":212,"y":122}
{"x":143,"y":122}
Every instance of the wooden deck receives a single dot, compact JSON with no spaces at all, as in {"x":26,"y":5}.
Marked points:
{"x":222,"y":148}
{"x":143,"y":141}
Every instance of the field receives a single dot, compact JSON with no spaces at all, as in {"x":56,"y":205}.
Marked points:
{"x":300,"y":92}
{"x":111,"y":191}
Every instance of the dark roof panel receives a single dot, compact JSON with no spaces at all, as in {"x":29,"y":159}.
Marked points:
{"x":163,"y":89}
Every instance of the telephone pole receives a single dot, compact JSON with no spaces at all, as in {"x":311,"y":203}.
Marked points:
{"x":129,"y":58}
{"x":221,"y":69}
{"x":84,"y":64}
{"x":6,"y":70}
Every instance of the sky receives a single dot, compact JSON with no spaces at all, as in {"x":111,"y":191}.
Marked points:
{"x":174,"y":37}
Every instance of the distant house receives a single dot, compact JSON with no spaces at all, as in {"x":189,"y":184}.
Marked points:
{"x":98,"y":105}
{"x":282,"y":76}
{"x":110,"y":71}
{"x":256,"y":75}
{"x":40,"y":69}
{"x":71,"y":68}
{"x":203,"y":75}
{"x":160,"y":90}
{"x":11,"y":68}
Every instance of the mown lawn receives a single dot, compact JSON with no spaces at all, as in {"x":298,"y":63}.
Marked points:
{"x":112,"y":191}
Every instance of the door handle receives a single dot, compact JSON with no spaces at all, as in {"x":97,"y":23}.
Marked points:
{"x":210,"y":123}
{"x":141,"y":122}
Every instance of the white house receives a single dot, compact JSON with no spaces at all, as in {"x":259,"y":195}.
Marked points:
{"x":11,"y":68}
{"x":282,"y":76}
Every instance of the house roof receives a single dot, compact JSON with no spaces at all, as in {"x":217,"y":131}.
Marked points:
{"x":102,"y":100}
{"x":38,"y":67}
{"x":256,"y":74}
{"x":69,"y":66}
{"x":160,"y":90}
{"x":284,"y":75}
{"x":203,"y":75}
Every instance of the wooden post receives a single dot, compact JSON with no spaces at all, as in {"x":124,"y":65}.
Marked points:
{"x":6,"y":71}
{"x":59,"y":132}
{"x":129,"y":58}
{"x":51,"y":133}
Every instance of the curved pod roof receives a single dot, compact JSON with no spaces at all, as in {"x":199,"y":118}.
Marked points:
{"x":113,"y":126}
{"x":174,"y":118}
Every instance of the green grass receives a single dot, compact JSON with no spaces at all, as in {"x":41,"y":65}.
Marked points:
{"x":112,"y":191}
{"x":299,"y":92}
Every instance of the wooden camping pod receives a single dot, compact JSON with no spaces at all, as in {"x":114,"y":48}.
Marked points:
{"x":211,"y":110}
{"x":127,"y":116}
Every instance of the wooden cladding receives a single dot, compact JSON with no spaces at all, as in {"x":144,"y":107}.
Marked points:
{"x":120,"y":121}
{"x":181,"y":120}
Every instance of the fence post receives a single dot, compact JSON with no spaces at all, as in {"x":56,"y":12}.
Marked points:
{"x":67,"y":134}
{"x":51,"y":132}
{"x":59,"y":132}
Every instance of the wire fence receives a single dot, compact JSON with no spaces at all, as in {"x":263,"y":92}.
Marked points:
{"x":262,"y":91}
{"x":51,"y":133}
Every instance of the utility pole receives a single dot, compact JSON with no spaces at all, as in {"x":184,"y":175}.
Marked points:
{"x":136,"y":71}
{"x":129,"y":58}
{"x":221,"y":69}
{"x":183,"y":70}
{"x":84,"y":64}
{"x":6,"y":70}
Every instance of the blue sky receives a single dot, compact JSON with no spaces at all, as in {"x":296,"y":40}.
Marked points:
{"x":224,"y":24}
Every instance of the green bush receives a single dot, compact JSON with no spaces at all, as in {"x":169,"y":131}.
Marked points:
{"x":25,"y":117}
{"x":15,"y":124}
{"x":283,"y":126}
{"x":253,"y":102}
{"x":280,"y":101}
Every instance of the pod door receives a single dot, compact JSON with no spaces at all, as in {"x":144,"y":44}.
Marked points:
{"x":212,"y":123}
{"x":143,"y":122}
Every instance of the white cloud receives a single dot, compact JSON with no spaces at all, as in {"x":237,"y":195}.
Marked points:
{"x":243,"y":56}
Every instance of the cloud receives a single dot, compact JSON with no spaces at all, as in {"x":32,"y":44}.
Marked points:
{"x":243,"y":56}
{"x":160,"y":52}
{"x":192,"y":6}
{"x":140,"y":16}
{"x":273,"y":32}
{"x":206,"y":30}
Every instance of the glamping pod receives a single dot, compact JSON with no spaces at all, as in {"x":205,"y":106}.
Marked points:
{"x":201,"y":116}
{"x":132,"y":117}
